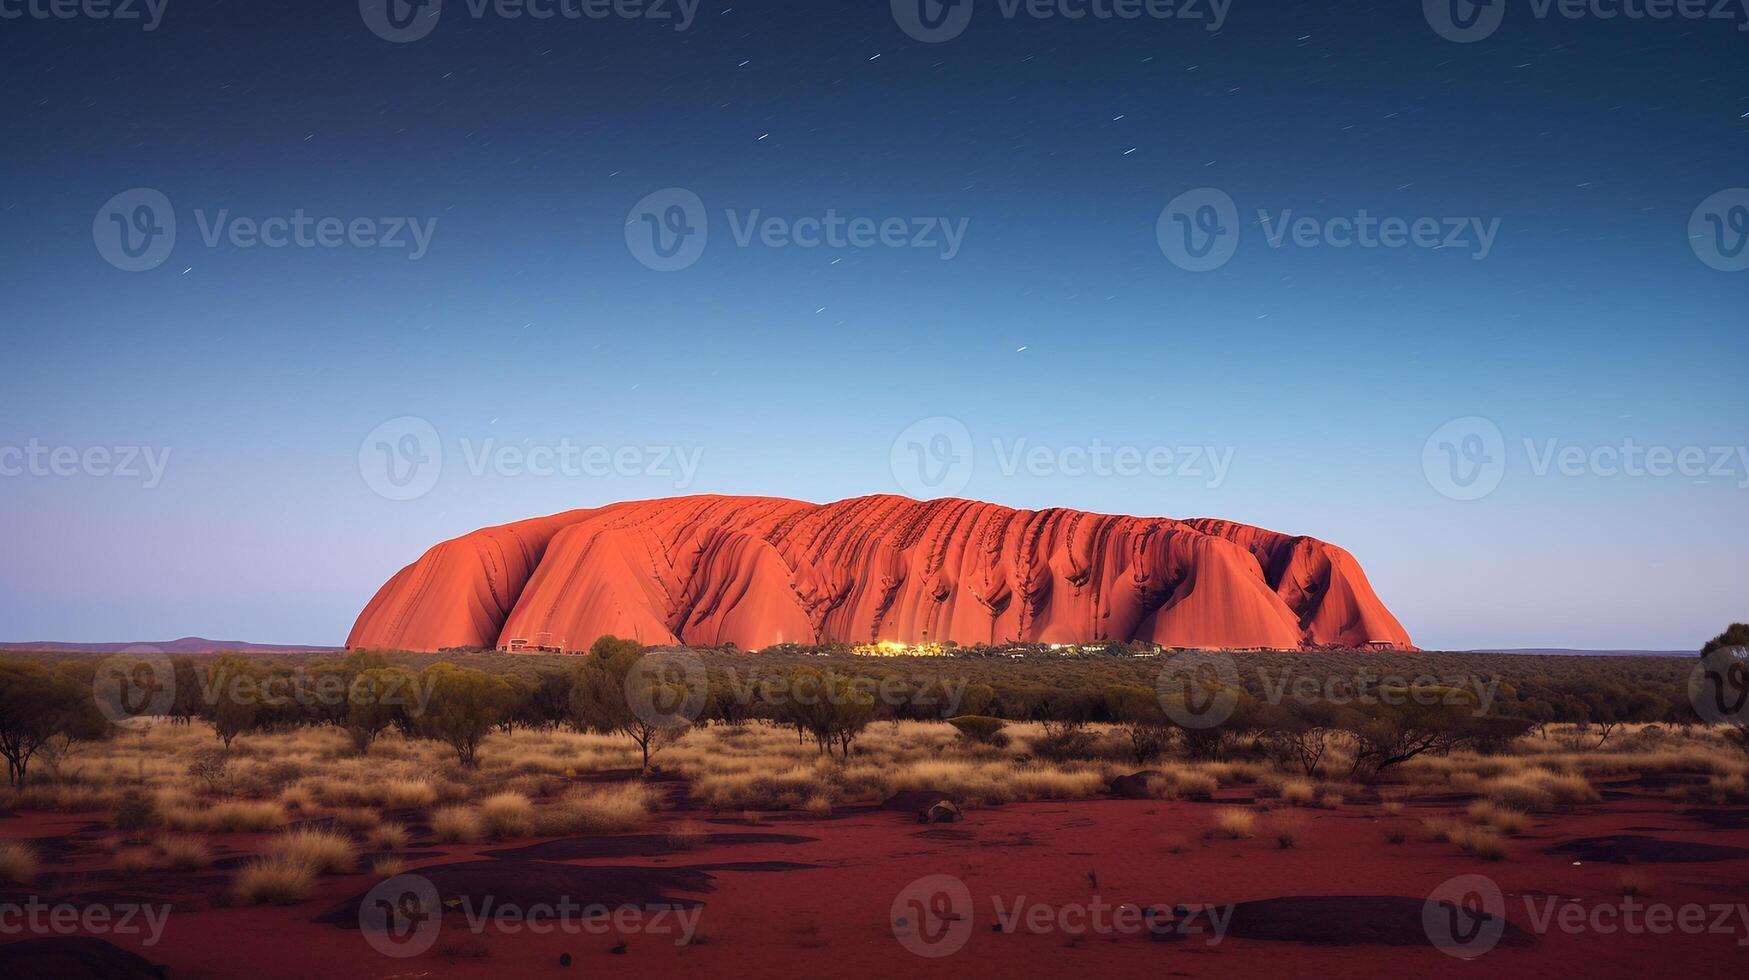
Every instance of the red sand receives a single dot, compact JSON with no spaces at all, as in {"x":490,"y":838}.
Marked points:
{"x":833,"y":920}
{"x":757,"y":571}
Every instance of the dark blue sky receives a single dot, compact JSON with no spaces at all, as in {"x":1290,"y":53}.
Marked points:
{"x":1587,"y":316}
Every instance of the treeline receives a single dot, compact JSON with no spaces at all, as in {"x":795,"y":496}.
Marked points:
{"x":1389,"y":707}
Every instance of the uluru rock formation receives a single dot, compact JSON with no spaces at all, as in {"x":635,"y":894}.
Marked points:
{"x":757,"y":571}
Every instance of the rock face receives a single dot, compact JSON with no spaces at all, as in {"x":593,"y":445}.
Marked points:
{"x":756,"y":571}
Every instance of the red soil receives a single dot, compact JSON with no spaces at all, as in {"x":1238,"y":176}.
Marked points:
{"x":835,"y":919}
{"x":757,"y":571}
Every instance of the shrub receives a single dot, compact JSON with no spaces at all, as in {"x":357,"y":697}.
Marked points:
{"x":1298,"y":792}
{"x":980,"y":728}
{"x":402,"y":793}
{"x":1395,"y":836}
{"x":595,"y":811}
{"x":1330,"y":801}
{"x":1287,"y":828}
{"x":505,"y":815}
{"x":388,"y":837}
{"x":1182,"y":784}
{"x":185,"y":853}
{"x":1234,"y":822}
{"x":275,"y":880}
{"x":1482,"y":842}
{"x":386,"y":867}
{"x":1504,"y":819}
{"x":134,"y":810}
{"x":456,"y":825}
{"x":322,"y":851}
{"x":18,"y":862}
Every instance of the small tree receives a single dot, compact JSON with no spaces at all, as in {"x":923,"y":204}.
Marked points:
{"x":39,"y":705}
{"x":1137,"y":710}
{"x":1735,"y":635}
{"x":465,"y":705}
{"x":1300,"y":732}
{"x":603,"y":691}
{"x":376,"y":700}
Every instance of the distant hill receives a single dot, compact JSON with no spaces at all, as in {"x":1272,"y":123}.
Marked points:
{"x":187,"y":644}
{"x":1564,"y":652}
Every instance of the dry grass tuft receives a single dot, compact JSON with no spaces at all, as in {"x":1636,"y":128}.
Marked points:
{"x":596,"y":811}
{"x":185,"y":853}
{"x":322,"y":851}
{"x":387,"y":867}
{"x":506,"y":815}
{"x":1503,"y":819}
{"x":1298,"y":792}
{"x":1482,"y":842}
{"x":456,"y":825}
{"x":1234,"y":823}
{"x":1287,"y":828}
{"x":275,"y":881}
{"x":388,"y":836}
